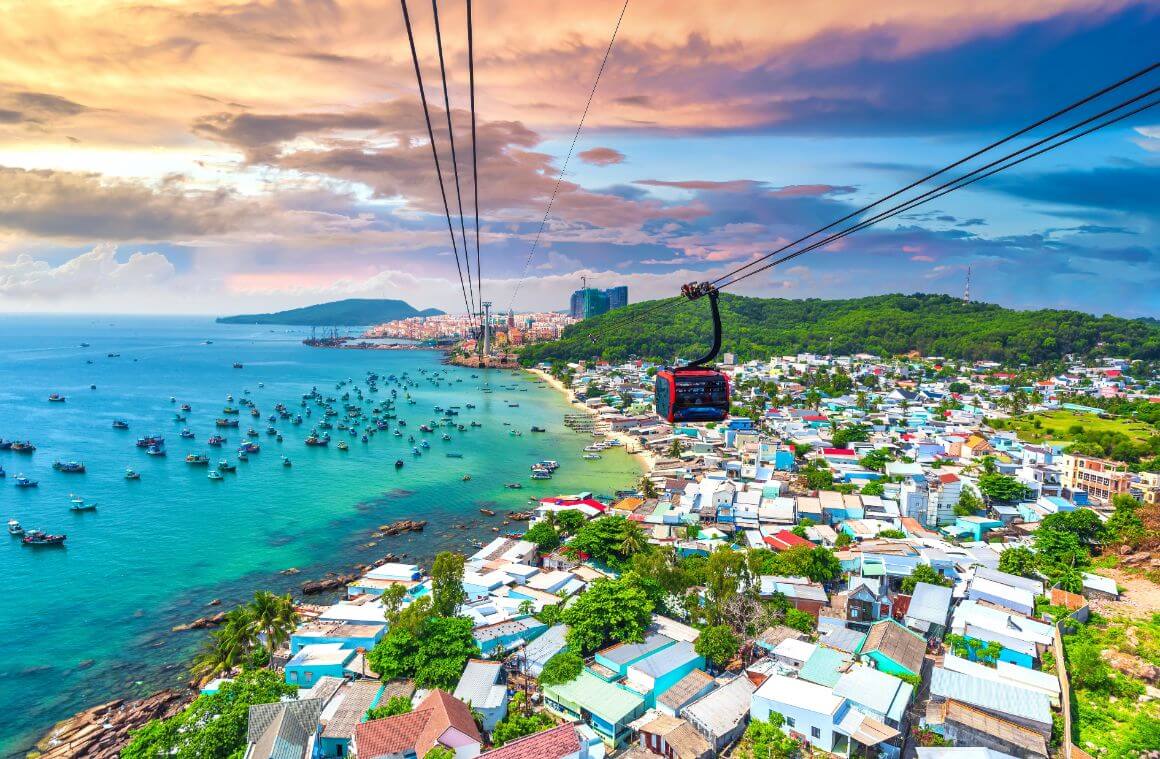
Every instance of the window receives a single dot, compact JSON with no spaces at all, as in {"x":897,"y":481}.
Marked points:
{"x":815,"y":732}
{"x":789,"y":722}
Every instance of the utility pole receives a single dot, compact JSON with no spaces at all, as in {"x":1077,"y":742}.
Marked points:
{"x":486,"y":327}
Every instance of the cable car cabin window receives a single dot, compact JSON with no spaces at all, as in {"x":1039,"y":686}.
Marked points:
{"x":664,"y":389}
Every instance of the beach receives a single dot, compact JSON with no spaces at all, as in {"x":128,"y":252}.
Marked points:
{"x":631,"y":445}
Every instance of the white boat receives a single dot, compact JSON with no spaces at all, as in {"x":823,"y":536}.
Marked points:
{"x":14,"y":527}
{"x":214,"y":474}
{"x":591,"y":456}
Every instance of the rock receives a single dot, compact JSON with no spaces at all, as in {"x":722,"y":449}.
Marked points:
{"x":327,"y":583}
{"x":215,"y":602}
{"x":86,"y":663}
{"x":102,"y":731}
{"x":1131,"y":665}
{"x":290,"y":571}
{"x":202,"y":622}
{"x":403,"y":525}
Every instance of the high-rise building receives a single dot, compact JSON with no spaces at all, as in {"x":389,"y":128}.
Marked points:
{"x":590,"y":301}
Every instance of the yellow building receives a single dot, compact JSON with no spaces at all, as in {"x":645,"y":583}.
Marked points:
{"x":1099,"y":478}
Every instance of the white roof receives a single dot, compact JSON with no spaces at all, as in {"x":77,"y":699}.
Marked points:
{"x":802,"y":694}
{"x":393,"y":571}
{"x":671,"y":628}
{"x":1019,"y":596}
{"x":792,"y":648}
{"x":321,"y":653}
{"x":344,"y":612}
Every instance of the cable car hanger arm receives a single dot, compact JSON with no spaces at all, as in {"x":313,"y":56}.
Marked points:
{"x":693,"y":291}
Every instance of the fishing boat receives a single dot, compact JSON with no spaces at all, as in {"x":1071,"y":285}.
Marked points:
{"x":131,"y":475}
{"x":3,"y":474}
{"x":120,"y":424}
{"x":446,"y":436}
{"x":342,"y":446}
{"x":186,"y":407}
{"x":398,"y":463}
{"x":251,"y":432}
{"x":475,"y":543}
{"x":214,"y":474}
{"x":22,"y":447}
{"x":364,"y":438}
{"x":250,"y":447}
{"x":538,"y":429}
{"x":237,"y":364}
{"x":271,"y":431}
{"x":466,"y":477}
{"x":317,"y":440}
{"x":242,"y":455}
{"x":79,"y":504}
{"x":225,"y":466}
{"x":56,"y":398}
{"x":148,"y":440}
{"x":476,"y":424}
{"x":112,"y":355}
{"x":470,"y":405}
{"x":454,"y":455}
{"x":416,"y":452}
{"x":14,"y":527}
{"x":425,"y":444}
{"x":541,"y":474}
{"x":215,"y":440}
{"x":69,"y":467}
{"x":197,"y":459}
{"x":549,"y":464}
{"x":286,"y":462}
{"x":515,"y":433}
{"x":591,"y":456}
{"x":186,"y":434}
{"x":514,"y":486}
{"x":155,"y":450}
{"x":230,"y":410}
{"x":41,"y":538}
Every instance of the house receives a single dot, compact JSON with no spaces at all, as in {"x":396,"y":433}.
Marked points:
{"x":893,"y":649}
{"x":438,"y":720}
{"x":825,"y":666}
{"x":792,"y":653}
{"x":606,"y":707}
{"x":930,"y":605}
{"x":720,"y":715}
{"x":482,"y":686}
{"x":1011,"y":703}
{"x":654,"y":675}
{"x":867,"y":601}
{"x":350,"y":635}
{"x":318,"y":660}
{"x":882,"y":696}
{"x":619,"y":657}
{"x":1032,"y":679}
{"x":671,"y":737}
{"x":1009,"y":596}
{"x":346,"y":710}
{"x":804,"y":595}
{"x":537,"y":653}
{"x":506,"y":635}
{"x":283,"y":730}
{"x":810,"y":710}
{"x":685,"y":691}
{"x":566,"y":741}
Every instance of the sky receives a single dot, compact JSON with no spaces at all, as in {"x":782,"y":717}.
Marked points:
{"x":224,"y":156}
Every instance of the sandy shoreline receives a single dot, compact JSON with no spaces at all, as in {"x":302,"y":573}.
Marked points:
{"x":643,"y":455}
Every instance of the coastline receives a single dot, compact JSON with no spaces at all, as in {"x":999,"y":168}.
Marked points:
{"x":646,"y":458}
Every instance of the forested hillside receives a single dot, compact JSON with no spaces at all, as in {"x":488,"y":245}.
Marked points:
{"x":934,"y":325}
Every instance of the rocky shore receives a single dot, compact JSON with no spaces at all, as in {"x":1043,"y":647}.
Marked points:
{"x":101,"y":732}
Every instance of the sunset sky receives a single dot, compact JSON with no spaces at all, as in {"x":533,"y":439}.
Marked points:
{"x":207,"y":156}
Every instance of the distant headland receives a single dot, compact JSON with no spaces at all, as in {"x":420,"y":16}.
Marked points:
{"x":352,"y":312}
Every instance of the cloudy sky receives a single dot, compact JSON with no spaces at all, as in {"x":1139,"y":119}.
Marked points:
{"x":220,"y":156}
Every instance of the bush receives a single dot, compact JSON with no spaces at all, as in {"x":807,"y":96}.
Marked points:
{"x":562,"y":668}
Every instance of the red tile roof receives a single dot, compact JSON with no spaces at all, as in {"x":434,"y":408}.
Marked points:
{"x":550,"y":744}
{"x":785,"y":540}
{"x":419,"y":730}
{"x":838,"y":452}
{"x":945,"y":478}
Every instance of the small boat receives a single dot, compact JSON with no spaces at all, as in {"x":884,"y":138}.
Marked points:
{"x":242,"y":455}
{"x":515,"y":433}
{"x":131,"y":475}
{"x":3,"y":474}
{"x":591,"y":456}
{"x":514,"y":486}
{"x":470,"y":405}
{"x":454,"y":455}
{"x":317,"y":440}
{"x":549,"y":464}
{"x":120,"y":424}
{"x":398,"y":463}
{"x":425,"y":444}
{"x":231,"y":410}
{"x":538,"y":429}
{"x":56,"y":398}
{"x":225,"y":466}
{"x":237,"y":364}
{"x":286,"y":462}
{"x":271,"y":431}
{"x":215,"y":440}
{"x":22,"y":447}
{"x":541,"y":474}
{"x":84,"y":345}
{"x":197,"y":459}
{"x":251,"y":432}
{"x":466,"y":477}
{"x":225,"y":422}
{"x":487,"y":512}
{"x":112,"y":355}
{"x":416,"y":452}
{"x":278,"y":438}
{"x":186,"y":407}
{"x":148,"y":440}
{"x":155,"y":450}
{"x":186,"y":434}
{"x":214,"y":474}
{"x":69,"y":467}
{"x":342,"y":446}
{"x":475,"y":543}
{"x":446,"y":436}
{"x":476,"y":424}
{"x":79,"y":504}
{"x":250,"y":447}
{"x":14,"y":527}
{"x":180,"y":418}
{"x":365,"y":438}
{"x":42,"y":538}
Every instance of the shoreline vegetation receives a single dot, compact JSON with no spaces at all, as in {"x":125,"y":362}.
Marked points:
{"x":102,"y":730}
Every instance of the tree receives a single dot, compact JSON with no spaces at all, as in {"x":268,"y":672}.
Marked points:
{"x":968,"y":504}
{"x":675,"y":449}
{"x":634,"y":540}
{"x":544,"y":536}
{"x":606,"y":538}
{"x":842,"y":540}
{"x":609,"y":611}
{"x":392,"y":599}
{"x":765,"y":740}
{"x":718,"y":645}
{"x":444,"y":649}
{"x":1018,"y":560}
{"x":799,"y":620}
{"x":892,"y":534}
{"x":1000,"y":487}
{"x":228,"y":646}
{"x":273,"y":618}
{"x":1125,"y":525}
{"x":874,"y":487}
{"x":564,"y":667}
{"x":923,"y":573}
{"x":214,"y":725}
{"x":447,"y":583}
{"x":569,"y":521}
{"x":518,"y":723}
{"x":439,"y":752}
{"x":395,"y":705}
{"x":846,"y":435}
{"x":647,"y":488}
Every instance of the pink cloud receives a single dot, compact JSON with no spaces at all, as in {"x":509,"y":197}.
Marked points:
{"x":601,"y":156}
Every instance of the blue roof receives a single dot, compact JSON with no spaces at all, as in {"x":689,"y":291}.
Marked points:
{"x":667,"y":660}
{"x":626,"y":653}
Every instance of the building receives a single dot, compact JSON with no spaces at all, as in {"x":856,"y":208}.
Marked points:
{"x":568,"y":741}
{"x":720,"y":715}
{"x":482,"y":687}
{"x":283,"y":730}
{"x":318,"y":660}
{"x":617,"y":297}
{"x":671,"y":737}
{"x":894,"y":649}
{"x":930,"y":605}
{"x":606,"y":707}
{"x":1099,"y":478}
{"x":590,"y":301}
{"x":437,"y":720}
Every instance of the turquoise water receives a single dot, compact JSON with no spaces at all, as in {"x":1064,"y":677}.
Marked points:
{"x":91,"y":621}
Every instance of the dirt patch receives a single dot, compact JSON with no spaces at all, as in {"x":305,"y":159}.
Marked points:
{"x":1140,"y":599}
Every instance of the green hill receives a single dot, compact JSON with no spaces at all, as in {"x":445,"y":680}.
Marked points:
{"x":933,"y":325}
{"x":352,"y":312}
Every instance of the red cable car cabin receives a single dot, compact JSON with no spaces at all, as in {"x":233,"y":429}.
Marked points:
{"x":692,"y":395}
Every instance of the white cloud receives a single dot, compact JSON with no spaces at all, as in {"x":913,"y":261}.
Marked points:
{"x":97,"y":272}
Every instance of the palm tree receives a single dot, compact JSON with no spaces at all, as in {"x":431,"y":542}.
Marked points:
{"x":675,"y":449}
{"x":648,"y":488}
{"x":229,"y":646}
{"x":634,"y":540}
{"x":273,"y":617}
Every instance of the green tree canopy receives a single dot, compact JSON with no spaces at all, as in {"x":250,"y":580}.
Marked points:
{"x":609,"y":611}
{"x":718,"y":645}
{"x":447,"y":583}
{"x":1000,"y":487}
{"x":544,"y":536}
{"x":562,"y":668}
{"x":923,"y":573}
{"x":394,"y":705}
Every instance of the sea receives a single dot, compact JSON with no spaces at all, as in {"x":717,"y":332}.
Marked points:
{"x":91,"y":621}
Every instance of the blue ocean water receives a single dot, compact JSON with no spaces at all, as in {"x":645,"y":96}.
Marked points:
{"x":91,"y":621}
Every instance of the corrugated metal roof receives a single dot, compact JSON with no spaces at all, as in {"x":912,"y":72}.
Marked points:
{"x":930,"y":603}
{"x":877,"y":691}
{"x":991,"y":695}
{"x":605,"y":700}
